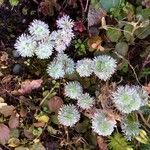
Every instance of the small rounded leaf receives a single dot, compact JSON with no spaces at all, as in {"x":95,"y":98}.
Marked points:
{"x":55,"y":103}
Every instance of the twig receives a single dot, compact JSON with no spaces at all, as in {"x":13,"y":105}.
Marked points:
{"x":130,"y":67}
{"x":82,"y":7}
{"x":86,"y":6}
{"x":66,"y":131}
{"x":143,"y":119}
{"x":51,"y":91}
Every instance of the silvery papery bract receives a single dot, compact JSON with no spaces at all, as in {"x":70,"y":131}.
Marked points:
{"x":25,"y":45}
{"x":39,"y":30}
{"x":130,"y":128}
{"x":63,"y":39}
{"x":44,"y":49}
{"x":68,"y":63}
{"x":143,"y":94}
{"x":65,"y":23}
{"x":68,"y":115}
{"x":73,"y":89}
{"x":84,"y":67}
{"x":60,"y":66}
{"x":102,"y":125}
{"x":85,"y":101}
{"x":104,"y":66}
{"x":127,"y":99}
{"x":55,"y":70}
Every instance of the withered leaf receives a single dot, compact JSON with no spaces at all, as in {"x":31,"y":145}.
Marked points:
{"x":14,"y":121}
{"x":55,"y":103}
{"x":95,"y":15}
{"x":7,"y":110}
{"x":101,"y":143}
{"x":27,"y":86}
{"x":147,"y":88}
{"x":94,"y":43}
{"x":4,"y":134}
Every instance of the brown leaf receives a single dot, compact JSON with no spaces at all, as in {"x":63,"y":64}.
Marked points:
{"x":94,"y":43}
{"x":95,"y":15}
{"x":27,"y":86}
{"x":4,"y":134}
{"x":147,"y":88}
{"x":7,"y":79}
{"x":39,"y":124}
{"x":23,"y":112}
{"x":55,"y":103}
{"x":79,"y":26}
{"x":13,"y":142}
{"x":7,"y":110}
{"x":14,"y":121}
{"x":28,"y":134}
{"x":101,"y":143}
{"x":47,"y":7}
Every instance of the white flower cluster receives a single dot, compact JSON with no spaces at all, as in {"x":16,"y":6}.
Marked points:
{"x":102,"y":125}
{"x":103,"y":66}
{"x":129,"y":98}
{"x":130,"y":127}
{"x":60,"y":66}
{"x":41,"y":42}
{"x":74,"y":90}
{"x":68,"y":115}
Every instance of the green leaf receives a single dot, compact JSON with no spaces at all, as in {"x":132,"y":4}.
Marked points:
{"x":142,"y":33}
{"x":122,"y":48}
{"x":83,"y":126}
{"x":118,"y":142}
{"x":14,"y":2}
{"x":127,"y":32}
{"x":108,"y":4}
{"x":51,"y":130}
{"x":37,"y":146}
{"x":113,"y":34}
{"x":145,"y":13}
{"x":21,"y":148}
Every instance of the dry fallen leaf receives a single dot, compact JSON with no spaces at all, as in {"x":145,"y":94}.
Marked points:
{"x":42,"y":118}
{"x":94,"y":43}
{"x":147,"y":88}
{"x":4,"y":134}
{"x":14,"y":121}
{"x":13,"y":142}
{"x":101,"y":143}
{"x":7,"y":110}
{"x":95,"y":15}
{"x":55,"y":103}
{"x":79,"y":26}
{"x":27,"y":86}
{"x":47,"y":7}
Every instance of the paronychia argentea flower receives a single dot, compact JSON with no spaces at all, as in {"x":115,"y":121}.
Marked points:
{"x":84,"y":67}
{"x":73,"y":89}
{"x":39,"y":29}
{"x":68,"y":63}
{"x":85,"y":101}
{"x":44,"y":49}
{"x":65,"y":22}
{"x":130,"y":128}
{"x":104,"y":66}
{"x":55,"y":70}
{"x":68,"y":115}
{"x":25,"y":45}
{"x":102,"y":125}
{"x":127,"y":98}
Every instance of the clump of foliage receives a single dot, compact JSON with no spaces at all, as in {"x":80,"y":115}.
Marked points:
{"x":68,"y":115}
{"x":102,"y":125}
